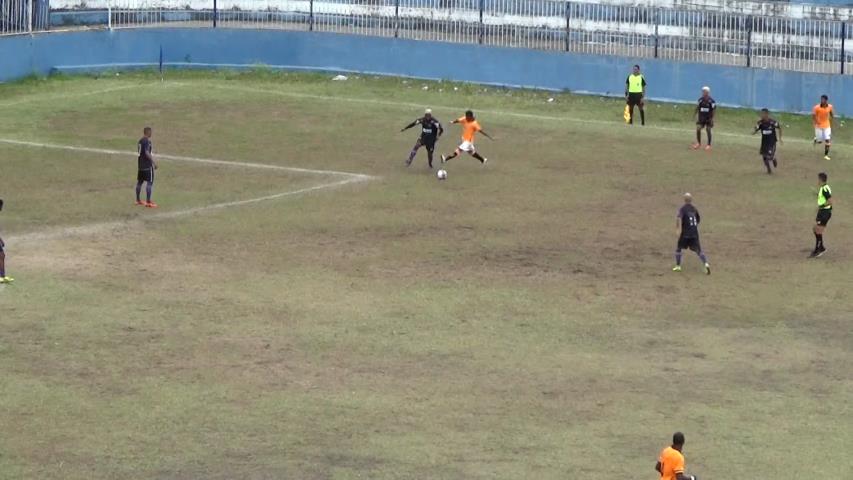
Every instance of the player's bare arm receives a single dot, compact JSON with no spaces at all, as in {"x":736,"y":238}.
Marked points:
{"x":486,"y":135}
{"x":657,"y":467}
{"x":779,"y":133}
{"x":677,"y":232}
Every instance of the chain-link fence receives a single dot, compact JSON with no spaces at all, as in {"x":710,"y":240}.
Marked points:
{"x":691,"y":35}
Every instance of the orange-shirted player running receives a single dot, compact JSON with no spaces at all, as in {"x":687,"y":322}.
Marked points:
{"x":671,"y":462}
{"x":822,"y":114}
{"x":470,"y":126}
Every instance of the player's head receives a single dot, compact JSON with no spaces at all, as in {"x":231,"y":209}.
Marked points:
{"x":428,"y":113}
{"x":469,"y":115}
{"x":765,"y":114}
{"x":688,"y":198}
{"x":677,"y":440}
{"x":822,"y":177}
{"x":824,"y":100}
{"x":147,"y":132}
{"x":636,"y":69}
{"x":706,"y":91}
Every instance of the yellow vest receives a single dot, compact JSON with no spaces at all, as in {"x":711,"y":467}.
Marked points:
{"x":821,"y":197}
{"x":635,"y":83}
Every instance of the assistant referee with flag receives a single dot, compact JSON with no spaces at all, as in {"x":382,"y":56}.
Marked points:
{"x":635,"y":90}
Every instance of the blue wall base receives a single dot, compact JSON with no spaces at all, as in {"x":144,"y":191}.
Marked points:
{"x":244,"y":48}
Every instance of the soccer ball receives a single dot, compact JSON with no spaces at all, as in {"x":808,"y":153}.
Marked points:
{"x":441,"y":174}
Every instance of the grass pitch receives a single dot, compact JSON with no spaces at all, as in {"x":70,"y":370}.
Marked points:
{"x":514,"y":321}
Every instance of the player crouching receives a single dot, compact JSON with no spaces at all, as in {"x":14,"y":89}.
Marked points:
{"x":470,"y":127}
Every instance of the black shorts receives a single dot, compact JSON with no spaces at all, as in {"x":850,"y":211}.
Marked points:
{"x":145,"y":176}
{"x":689,"y":244}
{"x":635,"y":99}
{"x":428,"y":143}
{"x":705,"y":122}
{"x":768,"y":150}
{"x":823,"y":216}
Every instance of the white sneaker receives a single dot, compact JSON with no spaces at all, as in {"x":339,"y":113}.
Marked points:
{"x":485,"y":160}
{"x":444,"y":159}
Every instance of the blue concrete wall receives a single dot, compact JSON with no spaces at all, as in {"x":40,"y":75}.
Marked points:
{"x":92,"y":50}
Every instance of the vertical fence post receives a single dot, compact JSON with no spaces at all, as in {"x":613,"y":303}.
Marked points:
{"x":843,"y":45}
{"x":749,"y":26}
{"x":109,"y":15}
{"x":311,"y":15}
{"x":30,"y":16}
{"x":215,"y":13}
{"x":482,"y":7}
{"x":568,"y":25}
{"x":657,"y":33}
{"x":396,"y":18}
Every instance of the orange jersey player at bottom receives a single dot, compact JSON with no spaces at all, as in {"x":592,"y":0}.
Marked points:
{"x":470,"y":127}
{"x":671,"y":462}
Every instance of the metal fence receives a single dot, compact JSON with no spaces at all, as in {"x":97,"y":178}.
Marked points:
{"x":23,"y":16}
{"x":693,"y":35}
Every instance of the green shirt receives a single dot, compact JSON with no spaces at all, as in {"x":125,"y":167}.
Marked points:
{"x":823,"y":195}
{"x":636,"y":83}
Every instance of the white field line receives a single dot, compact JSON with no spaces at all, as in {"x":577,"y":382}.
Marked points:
{"x":100,"y":227}
{"x":179,"y":158}
{"x":38,"y":97}
{"x":534,"y":116}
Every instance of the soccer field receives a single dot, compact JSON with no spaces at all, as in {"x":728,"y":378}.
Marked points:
{"x":303,"y":306}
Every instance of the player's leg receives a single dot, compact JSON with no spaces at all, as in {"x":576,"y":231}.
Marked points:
{"x":766,"y":156}
{"x":630,"y":110}
{"x":827,"y":142}
{"x":447,"y":158}
{"x":414,"y":152}
{"x":149,"y":188}
{"x":479,"y":157}
{"x":818,"y":134}
{"x":430,"y":148}
{"x":698,"y":136}
{"x":773,"y":156}
{"x":708,"y":127}
{"x":140,"y":178}
{"x":642,"y":106}
{"x":2,"y":266}
{"x":697,"y":247}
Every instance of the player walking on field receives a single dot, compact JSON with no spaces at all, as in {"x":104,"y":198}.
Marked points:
{"x":635,"y":92}
{"x":670,"y":464}
{"x":470,"y":127}
{"x":705,"y":110}
{"x":687,"y":227}
{"x":824,"y":213}
{"x":771,"y":131}
{"x":147,"y":165}
{"x":822,"y":115}
{"x":3,"y":277}
{"x":431,"y":131}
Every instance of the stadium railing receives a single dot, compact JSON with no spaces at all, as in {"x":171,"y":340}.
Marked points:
{"x":693,"y":35}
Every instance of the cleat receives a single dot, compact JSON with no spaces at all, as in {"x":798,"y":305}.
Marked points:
{"x":814,"y":254}
{"x":695,"y":146}
{"x":444,"y":159}
{"x":676,"y":268}
{"x":775,"y":163}
{"x":140,"y":203}
{"x":6,"y":279}
{"x":485,"y":160}
{"x":826,"y":157}
{"x":707,"y":269}
{"x":707,"y":148}
{"x":151,"y":205}
{"x":820,"y":252}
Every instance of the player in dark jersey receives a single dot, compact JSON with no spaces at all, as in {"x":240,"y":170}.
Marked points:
{"x":705,"y":109}
{"x":3,"y":277}
{"x":771,"y":131}
{"x":147,"y":165}
{"x":431,"y":131}
{"x":687,"y":226}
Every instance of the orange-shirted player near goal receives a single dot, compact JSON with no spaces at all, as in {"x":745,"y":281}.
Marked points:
{"x":822,"y":114}
{"x":470,"y":127}
{"x":671,"y":461}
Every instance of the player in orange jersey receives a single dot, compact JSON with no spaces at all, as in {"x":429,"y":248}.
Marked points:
{"x":671,"y":462}
{"x":822,"y":118}
{"x":470,"y":127}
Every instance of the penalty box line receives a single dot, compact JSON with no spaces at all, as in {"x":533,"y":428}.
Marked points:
{"x":99,"y":227}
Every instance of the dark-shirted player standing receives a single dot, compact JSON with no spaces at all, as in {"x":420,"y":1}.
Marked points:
{"x":770,"y":131}
{"x":3,"y":277}
{"x":147,"y":165}
{"x":824,"y":213}
{"x":705,"y":110}
{"x":687,"y":227}
{"x":635,"y":92}
{"x":431,"y":131}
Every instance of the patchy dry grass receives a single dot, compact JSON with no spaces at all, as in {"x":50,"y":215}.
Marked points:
{"x":518,"y":321}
